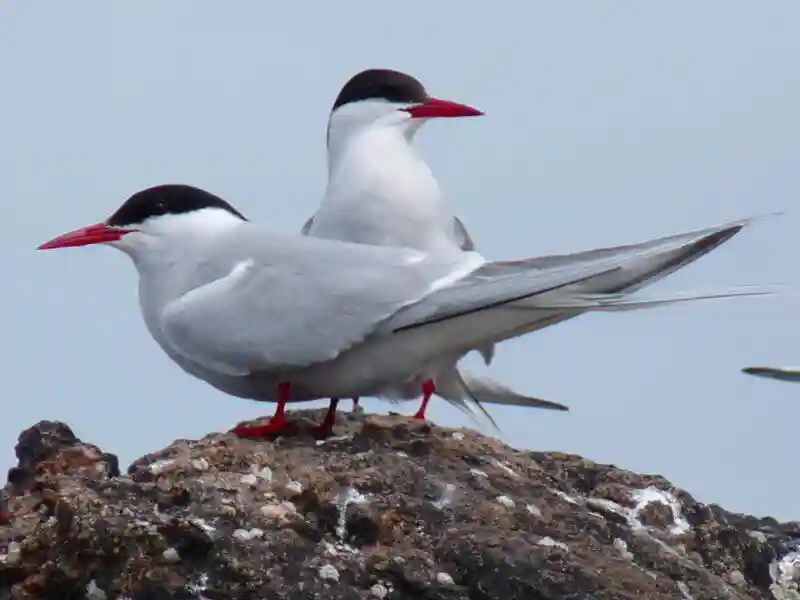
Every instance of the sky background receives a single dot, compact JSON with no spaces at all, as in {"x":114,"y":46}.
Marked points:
{"x":606,"y":123}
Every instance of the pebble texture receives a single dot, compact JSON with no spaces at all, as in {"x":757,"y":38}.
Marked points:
{"x":389,"y":508}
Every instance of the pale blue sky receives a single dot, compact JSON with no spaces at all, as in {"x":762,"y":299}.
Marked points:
{"x":606,"y":123}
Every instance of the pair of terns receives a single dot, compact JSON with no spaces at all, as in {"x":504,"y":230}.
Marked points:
{"x":382,"y":293}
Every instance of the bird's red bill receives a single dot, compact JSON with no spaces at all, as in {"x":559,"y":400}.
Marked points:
{"x":436,"y":108}
{"x":92,"y":234}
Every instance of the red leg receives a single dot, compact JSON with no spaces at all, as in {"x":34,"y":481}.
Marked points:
{"x":330,"y":419}
{"x":428,"y":389}
{"x":355,"y":404}
{"x":278,"y":420}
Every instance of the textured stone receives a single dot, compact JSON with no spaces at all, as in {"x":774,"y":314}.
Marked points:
{"x":389,"y":508}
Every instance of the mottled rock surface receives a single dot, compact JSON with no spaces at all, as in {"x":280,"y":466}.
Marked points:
{"x":390,"y":508}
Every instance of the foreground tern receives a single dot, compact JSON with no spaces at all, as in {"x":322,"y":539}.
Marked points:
{"x":285,"y":318}
{"x":381,"y":192}
{"x":780,"y":373}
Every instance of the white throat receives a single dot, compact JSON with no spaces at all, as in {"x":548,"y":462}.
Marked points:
{"x":380,"y":191}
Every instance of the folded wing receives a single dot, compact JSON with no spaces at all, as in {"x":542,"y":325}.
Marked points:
{"x":299,"y":301}
{"x":597,"y":279}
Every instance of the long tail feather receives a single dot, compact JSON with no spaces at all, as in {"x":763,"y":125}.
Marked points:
{"x":468,"y":392}
{"x":639,"y":301}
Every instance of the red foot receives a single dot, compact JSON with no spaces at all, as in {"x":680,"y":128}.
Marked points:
{"x":326,"y":428}
{"x":428,"y":389}
{"x":275,"y":425}
{"x":278,"y":421}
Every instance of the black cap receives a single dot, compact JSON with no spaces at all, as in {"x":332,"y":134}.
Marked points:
{"x":174,"y":199}
{"x":381,"y":84}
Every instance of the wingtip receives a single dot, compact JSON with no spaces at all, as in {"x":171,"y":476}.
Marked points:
{"x":747,"y":221}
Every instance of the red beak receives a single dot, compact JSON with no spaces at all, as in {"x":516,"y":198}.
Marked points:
{"x":93,"y":234}
{"x":436,"y":108}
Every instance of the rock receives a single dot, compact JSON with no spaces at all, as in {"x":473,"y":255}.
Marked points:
{"x":389,"y":508}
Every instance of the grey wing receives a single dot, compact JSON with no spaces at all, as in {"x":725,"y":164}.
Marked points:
{"x":483,"y":290}
{"x":307,"y":226}
{"x":643,"y":263}
{"x":780,"y":373}
{"x":610,"y":269}
{"x":463,"y":237}
{"x":297,"y":312}
{"x":464,"y":241}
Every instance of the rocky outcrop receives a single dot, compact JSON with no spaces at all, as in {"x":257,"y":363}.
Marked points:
{"x":390,"y":508}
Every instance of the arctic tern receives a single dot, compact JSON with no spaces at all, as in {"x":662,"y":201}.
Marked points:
{"x":380,"y":191}
{"x":284,"y":318}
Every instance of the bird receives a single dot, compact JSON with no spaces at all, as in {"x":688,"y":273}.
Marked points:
{"x":380,"y":191}
{"x":281,"y":317}
{"x":780,"y":373}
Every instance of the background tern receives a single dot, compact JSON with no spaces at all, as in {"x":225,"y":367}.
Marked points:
{"x":380,"y":191}
{"x":282,"y":317}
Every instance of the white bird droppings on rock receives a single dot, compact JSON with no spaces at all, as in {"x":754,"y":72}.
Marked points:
{"x":505,"y":467}
{"x":350,"y":496}
{"x":294,"y":488}
{"x":565,"y":497}
{"x":273,"y":511}
{"x":785,"y":575}
{"x":622,"y":547}
{"x":652,"y":494}
{"x":13,"y":554}
{"x":444,"y":578}
{"x":457,"y":435}
{"x":198,"y":588}
{"x":447,"y":496}
{"x":200,"y":464}
{"x":478,"y":473}
{"x":758,"y":536}
{"x":93,"y":592}
{"x":243,"y":535}
{"x":265,"y":474}
{"x":337,"y":438}
{"x":378,"y":591}
{"x":736,"y":578}
{"x":329,"y":573}
{"x":505,"y":501}
{"x":684,"y":590}
{"x":533,"y":509}
{"x":171,"y":555}
{"x":249,"y":479}
{"x":161,"y":465}
{"x":550,"y":543}
{"x":202,"y":526}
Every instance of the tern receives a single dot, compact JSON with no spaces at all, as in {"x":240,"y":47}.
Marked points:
{"x":282,"y":317}
{"x":381,"y":191}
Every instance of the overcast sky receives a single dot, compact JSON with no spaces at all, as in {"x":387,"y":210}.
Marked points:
{"x":606,"y":123}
